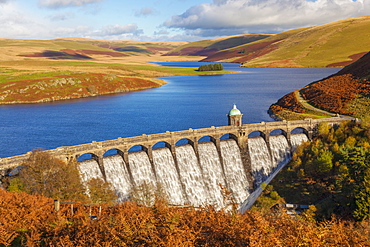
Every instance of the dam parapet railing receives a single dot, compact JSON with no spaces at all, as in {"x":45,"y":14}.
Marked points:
{"x":239,"y":133}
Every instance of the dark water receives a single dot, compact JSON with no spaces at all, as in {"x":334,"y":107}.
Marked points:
{"x":185,"y":102}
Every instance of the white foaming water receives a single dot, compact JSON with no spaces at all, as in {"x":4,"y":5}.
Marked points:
{"x":280,"y":150}
{"x":191,"y":175}
{"x":234,"y":171}
{"x":89,"y":169}
{"x":116,"y":173}
{"x":213,"y":175}
{"x":297,"y":139}
{"x":195,"y":182}
{"x":141,"y":169}
{"x":260,"y":159}
{"x":167,"y":176}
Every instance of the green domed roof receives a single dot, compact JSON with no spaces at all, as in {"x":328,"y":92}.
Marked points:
{"x":234,"y":111}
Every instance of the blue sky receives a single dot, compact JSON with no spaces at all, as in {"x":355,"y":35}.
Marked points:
{"x":173,"y":20}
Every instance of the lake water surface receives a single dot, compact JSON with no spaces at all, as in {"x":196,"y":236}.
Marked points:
{"x":185,"y":102}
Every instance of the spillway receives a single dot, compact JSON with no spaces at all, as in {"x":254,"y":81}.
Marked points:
{"x":89,"y":169}
{"x":168,"y":177}
{"x":235,"y":173}
{"x":117,"y":174}
{"x":260,"y":159}
{"x":194,"y":177}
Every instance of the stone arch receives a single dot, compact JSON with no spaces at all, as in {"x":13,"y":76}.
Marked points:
{"x":138,"y":147}
{"x":113,"y":151}
{"x":278,"y":131}
{"x":87,"y":156}
{"x":211,"y":138}
{"x":206,"y":138}
{"x":184,"y":141}
{"x":161,"y":144}
{"x":256,"y":133}
{"x":299,"y":130}
{"x":227,"y":136}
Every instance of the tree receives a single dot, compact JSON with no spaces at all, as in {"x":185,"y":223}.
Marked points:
{"x":211,"y":67}
{"x":333,"y":170}
{"x":43,"y":174}
{"x":100,"y":191}
{"x":362,"y":198}
{"x":324,"y":162}
{"x":324,"y":129}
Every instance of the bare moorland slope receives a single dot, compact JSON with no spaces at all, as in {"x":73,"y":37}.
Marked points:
{"x":334,"y":44}
{"x":210,"y":47}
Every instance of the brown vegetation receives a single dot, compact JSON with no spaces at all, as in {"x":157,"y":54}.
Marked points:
{"x":353,"y":58}
{"x":57,"y":55}
{"x":245,"y":53}
{"x":359,"y":69}
{"x":91,"y":52}
{"x":73,"y":54}
{"x":31,"y":221}
{"x":193,"y":51}
{"x":211,"y":47}
{"x":334,"y":93}
{"x":288,"y":102}
{"x":74,"y":86}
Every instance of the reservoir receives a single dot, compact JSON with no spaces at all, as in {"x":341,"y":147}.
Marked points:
{"x":185,"y":102}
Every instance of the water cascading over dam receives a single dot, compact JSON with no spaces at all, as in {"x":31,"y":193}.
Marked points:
{"x":191,"y":174}
{"x":191,"y":179}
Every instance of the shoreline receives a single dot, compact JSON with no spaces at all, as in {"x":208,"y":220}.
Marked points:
{"x":64,"y":86}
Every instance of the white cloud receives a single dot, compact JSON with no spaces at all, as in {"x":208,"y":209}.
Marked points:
{"x":120,"y":29}
{"x":112,"y":32}
{"x":78,"y":31}
{"x":243,"y":16}
{"x":65,"y":3}
{"x":145,"y":12}
{"x":161,"y":32}
{"x":16,"y":23}
{"x":62,"y":16}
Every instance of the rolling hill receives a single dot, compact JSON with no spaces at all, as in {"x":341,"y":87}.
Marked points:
{"x":209,"y":47}
{"x":46,"y":70}
{"x":346,"y":92}
{"x":334,"y":44}
{"x":33,"y":71}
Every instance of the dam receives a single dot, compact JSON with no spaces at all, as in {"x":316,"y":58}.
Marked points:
{"x":191,"y":167}
{"x":195,"y":178}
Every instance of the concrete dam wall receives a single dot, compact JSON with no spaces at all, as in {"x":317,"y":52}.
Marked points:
{"x":195,"y":179}
{"x":192,"y":172}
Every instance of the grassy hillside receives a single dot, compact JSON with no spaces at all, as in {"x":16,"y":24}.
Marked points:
{"x":334,"y":44}
{"x":346,"y":92}
{"x":30,"y":68}
{"x":209,"y":47}
{"x":33,"y":71}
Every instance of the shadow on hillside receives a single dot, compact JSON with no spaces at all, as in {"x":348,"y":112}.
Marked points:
{"x":57,"y":55}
